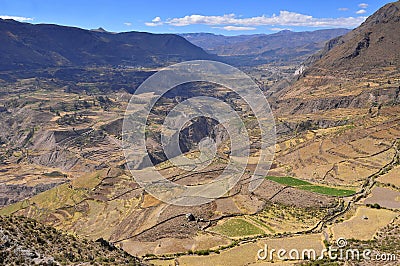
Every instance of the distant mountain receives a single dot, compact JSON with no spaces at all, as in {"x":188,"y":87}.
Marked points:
{"x":262,"y":48}
{"x":280,"y":40}
{"x":210,"y":41}
{"x":25,"y":45}
{"x":372,"y":46}
{"x":359,"y":70}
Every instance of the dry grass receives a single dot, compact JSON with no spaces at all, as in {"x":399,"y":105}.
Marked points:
{"x":364,"y":224}
{"x":392,"y":177}
{"x":246,"y":254}
{"x":385,"y":197}
{"x":149,"y":201}
{"x":201,"y":241}
{"x":277,"y":218}
{"x":90,"y":180}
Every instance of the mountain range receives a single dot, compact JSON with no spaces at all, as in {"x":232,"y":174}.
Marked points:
{"x":29,"y":46}
{"x":286,"y":45}
{"x":25,"y":45}
{"x":260,"y":43}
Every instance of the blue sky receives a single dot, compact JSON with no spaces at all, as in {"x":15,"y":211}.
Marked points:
{"x":232,"y":17}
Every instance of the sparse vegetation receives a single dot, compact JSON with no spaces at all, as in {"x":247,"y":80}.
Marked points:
{"x":25,"y":241}
{"x":374,"y":206}
{"x":73,"y":119}
{"x":54,"y":174}
{"x":279,"y":218}
{"x":202,"y":252}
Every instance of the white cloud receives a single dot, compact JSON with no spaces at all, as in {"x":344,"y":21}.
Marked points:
{"x":156,"y":19}
{"x":199,"y":19}
{"x":233,"y":28}
{"x":285,"y":18}
{"x":154,"y":22}
{"x":16,"y":18}
{"x":343,"y":9}
{"x":128,"y":24}
{"x":363,"y":5}
{"x":361,"y":11}
{"x":279,"y":29}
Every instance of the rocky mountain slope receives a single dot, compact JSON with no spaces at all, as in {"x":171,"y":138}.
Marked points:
{"x":25,"y":45}
{"x":372,"y":46}
{"x":358,"y":70}
{"x":24,"y":241}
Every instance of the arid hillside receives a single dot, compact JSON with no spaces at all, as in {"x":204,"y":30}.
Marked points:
{"x":27,"y":46}
{"x":358,"y":70}
{"x":24,"y":241}
{"x":371,"y":47}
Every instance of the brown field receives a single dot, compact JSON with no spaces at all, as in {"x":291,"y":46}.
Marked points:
{"x":201,"y":241}
{"x":149,"y":201}
{"x":342,"y":155}
{"x":364,"y":224}
{"x":246,"y":254}
{"x":277,"y":218}
{"x":159,"y":262}
{"x":393,"y":177}
{"x":385,"y":197}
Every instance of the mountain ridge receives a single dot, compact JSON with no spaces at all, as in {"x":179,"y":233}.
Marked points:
{"x":26,"y":45}
{"x":364,"y":47}
{"x":258,"y":49}
{"x":259,"y":43}
{"x":357,"y":70}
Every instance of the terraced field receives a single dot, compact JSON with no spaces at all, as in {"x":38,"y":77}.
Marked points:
{"x":391,"y":178}
{"x":107,"y":203}
{"x":304,"y":185}
{"x":237,"y":227}
{"x":365,"y":223}
{"x":318,"y":175}
{"x":342,"y":157}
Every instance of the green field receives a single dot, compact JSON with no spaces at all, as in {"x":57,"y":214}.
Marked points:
{"x":328,"y":190}
{"x":237,"y":227}
{"x":304,"y":185}
{"x":288,"y":181}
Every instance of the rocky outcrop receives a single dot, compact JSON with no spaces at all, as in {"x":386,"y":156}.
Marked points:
{"x":189,"y":137}
{"x":25,"y":241}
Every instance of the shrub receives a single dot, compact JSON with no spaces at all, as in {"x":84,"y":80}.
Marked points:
{"x":202,"y":252}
